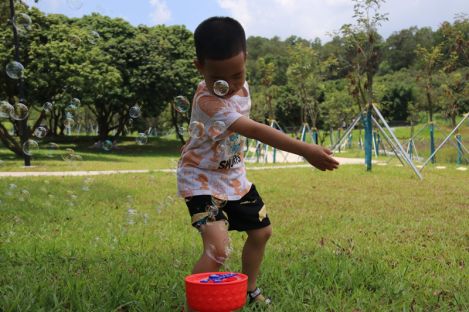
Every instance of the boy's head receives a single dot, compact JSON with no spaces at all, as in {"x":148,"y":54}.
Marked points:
{"x":220,"y":44}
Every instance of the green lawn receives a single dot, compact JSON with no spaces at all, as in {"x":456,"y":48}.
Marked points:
{"x":343,"y":241}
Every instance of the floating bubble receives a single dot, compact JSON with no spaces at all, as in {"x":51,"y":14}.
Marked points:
{"x":196,"y":129}
{"x":51,"y":149}
{"x":19,"y":112}
{"x":69,"y":122}
{"x":135,"y":112}
{"x":107,"y":145}
{"x":69,"y":154}
{"x":75,"y":40}
{"x":212,"y":212}
{"x":30,"y":147}
{"x":221,"y":87}
{"x":216,"y":128}
{"x":219,"y":200}
{"x":75,"y":101}
{"x":71,"y":109}
{"x":141,"y":139}
{"x":15,"y":70}
{"x":24,"y":195}
{"x":221,"y":147}
{"x":93,"y":37}
{"x":22,"y":23}
{"x":5,"y":109}
{"x":47,"y":107}
{"x":181,"y":104}
{"x":40,"y":132}
{"x":181,"y":130}
{"x":75,"y":4}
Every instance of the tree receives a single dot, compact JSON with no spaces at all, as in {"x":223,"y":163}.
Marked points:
{"x":364,"y":46}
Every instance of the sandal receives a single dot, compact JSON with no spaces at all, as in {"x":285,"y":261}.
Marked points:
{"x":256,"y":296}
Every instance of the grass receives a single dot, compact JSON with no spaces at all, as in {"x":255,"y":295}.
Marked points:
{"x":343,"y":241}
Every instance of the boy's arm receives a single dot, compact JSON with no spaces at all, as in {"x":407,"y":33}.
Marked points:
{"x":316,"y":155}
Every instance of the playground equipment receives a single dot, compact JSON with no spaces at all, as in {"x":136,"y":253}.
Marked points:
{"x":263,"y":151}
{"x":216,"y":291}
{"x":461,"y":148}
{"x":388,"y":135}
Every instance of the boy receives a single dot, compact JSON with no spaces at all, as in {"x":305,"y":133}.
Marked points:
{"x":211,"y":173}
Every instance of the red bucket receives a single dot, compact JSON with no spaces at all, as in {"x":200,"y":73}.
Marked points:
{"x":205,"y":295}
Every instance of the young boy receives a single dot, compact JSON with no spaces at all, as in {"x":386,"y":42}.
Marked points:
{"x":212,"y":169}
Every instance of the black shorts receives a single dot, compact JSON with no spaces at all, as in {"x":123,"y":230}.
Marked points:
{"x":248,"y":213}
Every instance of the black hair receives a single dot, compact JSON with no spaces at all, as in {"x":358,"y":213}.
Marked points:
{"x":219,"y":38}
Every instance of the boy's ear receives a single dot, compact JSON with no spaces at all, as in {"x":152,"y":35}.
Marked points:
{"x":199,"y":66}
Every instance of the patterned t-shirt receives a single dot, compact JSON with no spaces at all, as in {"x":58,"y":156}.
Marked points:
{"x":213,"y":163}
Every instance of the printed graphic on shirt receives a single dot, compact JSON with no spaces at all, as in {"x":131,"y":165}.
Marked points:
{"x":213,"y":163}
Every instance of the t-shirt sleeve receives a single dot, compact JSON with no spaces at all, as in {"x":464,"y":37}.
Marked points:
{"x":221,"y":116}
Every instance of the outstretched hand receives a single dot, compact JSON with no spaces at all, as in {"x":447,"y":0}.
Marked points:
{"x":320,"y":157}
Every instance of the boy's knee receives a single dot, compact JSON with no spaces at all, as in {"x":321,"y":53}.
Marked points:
{"x":219,"y":254}
{"x":261,"y":235}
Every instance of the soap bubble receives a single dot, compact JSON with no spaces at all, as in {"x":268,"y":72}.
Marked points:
{"x":221,"y":87}
{"x":212,"y":212}
{"x":71,"y":108}
{"x":141,"y":139}
{"x":216,"y":128}
{"x":19,"y":112}
{"x":70,"y":155}
{"x":5,"y":109}
{"x":40,"y":132}
{"x":15,"y":70}
{"x":135,"y":112}
{"x":181,"y":104}
{"x":24,"y":195}
{"x":69,"y":122}
{"x":22,"y":23}
{"x":75,"y":40}
{"x":196,"y":129}
{"x":219,"y":200}
{"x":30,"y":147}
{"x":51,"y":148}
{"x":107,"y":145}
{"x":47,"y":107}
{"x":75,"y":102}
{"x":221,"y":147}
{"x":75,"y":4}
{"x":93,"y":37}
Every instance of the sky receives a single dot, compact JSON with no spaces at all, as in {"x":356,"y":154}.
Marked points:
{"x":267,"y":18}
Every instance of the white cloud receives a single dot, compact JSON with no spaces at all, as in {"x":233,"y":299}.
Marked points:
{"x":304,"y":18}
{"x":318,"y":18}
{"x":161,"y":13}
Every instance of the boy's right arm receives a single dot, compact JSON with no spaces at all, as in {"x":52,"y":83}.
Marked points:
{"x":316,"y":155}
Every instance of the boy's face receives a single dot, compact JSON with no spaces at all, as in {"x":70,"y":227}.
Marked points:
{"x":232,"y":70}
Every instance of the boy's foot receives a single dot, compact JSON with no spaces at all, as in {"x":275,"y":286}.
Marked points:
{"x":256,"y":296}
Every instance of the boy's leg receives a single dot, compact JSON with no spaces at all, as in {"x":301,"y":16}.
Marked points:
{"x":215,"y":240}
{"x":253,"y":253}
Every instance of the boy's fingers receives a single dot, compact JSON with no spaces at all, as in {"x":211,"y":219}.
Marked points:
{"x":328,"y":151}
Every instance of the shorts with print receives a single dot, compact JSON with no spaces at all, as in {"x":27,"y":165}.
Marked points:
{"x":247,"y":213}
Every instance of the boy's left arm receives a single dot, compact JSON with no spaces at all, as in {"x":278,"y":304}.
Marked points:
{"x":316,"y":155}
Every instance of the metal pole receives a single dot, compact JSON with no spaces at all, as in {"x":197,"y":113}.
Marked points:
{"x":388,"y":140}
{"x":349,"y":130}
{"x":401,"y":149}
{"x":444,"y":141}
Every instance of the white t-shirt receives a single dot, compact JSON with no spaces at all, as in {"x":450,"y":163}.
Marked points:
{"x":213,"y":164}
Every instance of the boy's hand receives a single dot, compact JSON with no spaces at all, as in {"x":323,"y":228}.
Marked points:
{"x":319,"y":157}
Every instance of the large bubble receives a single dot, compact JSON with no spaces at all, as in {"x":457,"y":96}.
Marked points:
{"x":181,"y":104}
{"x":216,"y":128}
{"x":75,"y":4}
{"x":196,"y":129}
{"x":47,"y":107}
{"x":15,"y":70}
{"x":221,"y":87}
{"x":51,"y":149}
{"x":93,"y":37}
{"x":135,"y":112}
{"x":141,"y":139}
{"x":40,"y":132}
{"x":5,"y":109}
{"x":22,"y":23}
{"x":30,"y":147}
{"x":19,"y":112}
{"x":107,"y":145}
{"x":75,"y":41}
